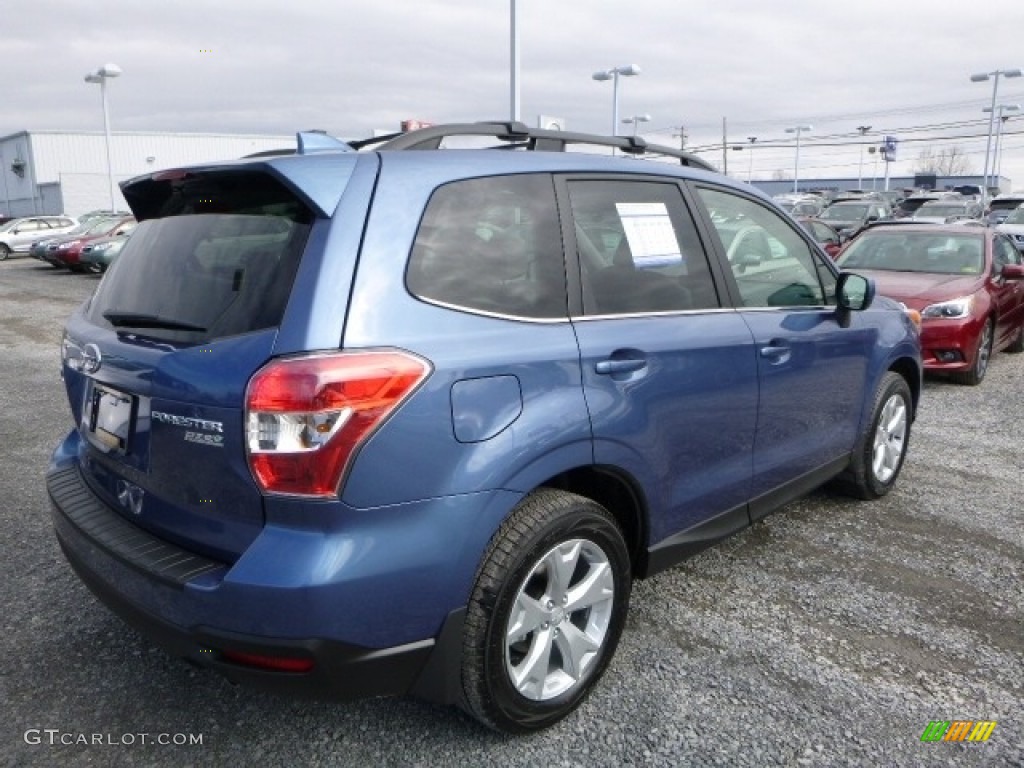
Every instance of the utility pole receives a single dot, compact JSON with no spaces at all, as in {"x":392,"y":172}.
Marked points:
{"x":681,"y":136}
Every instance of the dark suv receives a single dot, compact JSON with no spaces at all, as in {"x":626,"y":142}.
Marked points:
{"x":412,"y":420}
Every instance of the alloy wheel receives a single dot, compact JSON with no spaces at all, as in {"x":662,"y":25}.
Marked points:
{"x":890,"y":438}
{"x":560,"y":620}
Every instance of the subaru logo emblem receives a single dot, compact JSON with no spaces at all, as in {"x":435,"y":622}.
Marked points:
{"x":130,"y":496}
{"x":91,"y":358}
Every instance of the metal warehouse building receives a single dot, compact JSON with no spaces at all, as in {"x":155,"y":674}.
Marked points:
{"x":66,"y":171}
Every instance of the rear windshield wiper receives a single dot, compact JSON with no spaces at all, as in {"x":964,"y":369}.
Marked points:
{"x":138,"y":320}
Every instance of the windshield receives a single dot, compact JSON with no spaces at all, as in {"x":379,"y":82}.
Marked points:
{"x":945,"y":254}
{"x":844,"y":212}
{"x":97,"y":226}
{"x":940,"y":210}
{"x":912,"y":204}
{"x":1017,"y":217}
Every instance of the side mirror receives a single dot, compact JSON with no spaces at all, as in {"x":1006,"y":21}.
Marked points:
{"x":741,"y":261}
{"x":854,"y":292}
{"x":1013,"y":272}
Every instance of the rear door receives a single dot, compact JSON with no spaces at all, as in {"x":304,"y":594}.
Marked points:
{"x":158,"y":361}
{"x":812,"y":369}
{"x":669,"y":374}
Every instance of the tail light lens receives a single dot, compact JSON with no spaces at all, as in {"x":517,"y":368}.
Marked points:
{"x":306,"y":417}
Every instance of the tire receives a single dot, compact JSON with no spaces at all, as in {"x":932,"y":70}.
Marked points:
{"x":518,"y":583}
{"x":880,"y":452}
{"x":982,"y":356}
{"x":5,"y":251}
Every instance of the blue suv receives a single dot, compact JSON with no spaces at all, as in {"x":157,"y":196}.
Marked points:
{"x":399,"y":418}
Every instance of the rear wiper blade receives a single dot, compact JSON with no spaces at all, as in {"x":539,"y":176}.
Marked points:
{"x":139,"y":320}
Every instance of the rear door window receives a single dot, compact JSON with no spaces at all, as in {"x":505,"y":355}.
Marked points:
{"x":218,"y":260}
{"x":638,"y":249}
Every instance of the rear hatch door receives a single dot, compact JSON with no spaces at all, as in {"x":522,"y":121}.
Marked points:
{"x":157,"y":362}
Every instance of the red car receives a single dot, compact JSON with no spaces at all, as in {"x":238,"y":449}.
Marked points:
{"x":67,"y":251}
{"x":967,"y":283}
{"x":824,"y":234}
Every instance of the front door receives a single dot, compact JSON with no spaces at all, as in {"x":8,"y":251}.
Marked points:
{"x":812,"y":368}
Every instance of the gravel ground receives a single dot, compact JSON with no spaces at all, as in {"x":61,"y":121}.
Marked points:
{"x":829,"y":634}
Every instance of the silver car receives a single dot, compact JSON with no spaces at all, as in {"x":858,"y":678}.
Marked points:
{"x":19,"y":234}
{"x":1013,"y":225}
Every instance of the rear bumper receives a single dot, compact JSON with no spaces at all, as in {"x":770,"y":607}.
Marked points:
{"x":189,"y":605}
{"x":340,"y":670}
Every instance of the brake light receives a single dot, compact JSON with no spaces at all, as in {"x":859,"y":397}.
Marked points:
{"x":306,"y":417}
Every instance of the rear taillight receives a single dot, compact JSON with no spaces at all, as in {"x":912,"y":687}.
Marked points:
{"x":307,"y":416}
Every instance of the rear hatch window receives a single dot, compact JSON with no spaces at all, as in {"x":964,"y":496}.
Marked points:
{"x":215,"y":256}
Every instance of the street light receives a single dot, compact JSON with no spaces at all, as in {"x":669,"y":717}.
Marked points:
{"x":980,"y":78}
{"x":629,"y":70}
{"x":1001,"y":109}
{"x":101,"y":76}
{"x":796,"y":168}
{"x":514,"y":94}
{"x":860,"y":166}
{"x":636,"y":120}
{"x":873,"y":150}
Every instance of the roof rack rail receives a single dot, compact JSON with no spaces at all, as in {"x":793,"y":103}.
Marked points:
{"x":518,"y":135}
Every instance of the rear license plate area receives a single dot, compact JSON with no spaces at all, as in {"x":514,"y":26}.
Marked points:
{"x":108,"y":418}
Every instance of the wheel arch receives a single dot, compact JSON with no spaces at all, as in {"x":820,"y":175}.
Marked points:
{"x":618,"y":493}
{"x":912,"y":373}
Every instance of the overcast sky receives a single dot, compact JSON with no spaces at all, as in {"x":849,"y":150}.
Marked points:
{"x":900,"y":66}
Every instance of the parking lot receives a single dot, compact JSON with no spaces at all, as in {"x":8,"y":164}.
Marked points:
{"x":831,"y":633}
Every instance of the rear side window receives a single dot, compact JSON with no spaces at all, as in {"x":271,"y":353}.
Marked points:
{"x":219,"y":259}
{"x":492,"y":245}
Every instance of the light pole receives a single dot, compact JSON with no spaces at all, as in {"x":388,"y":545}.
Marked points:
{"x":514,"y":64}
{"x":750,"y":161}
{"x":1001,"y":109}
{"x":101,"y":76}
{"x":796,"y":168}
{"x":873,"y":150}
{"x":636,"y":120}
{"x":980,"y":78}
{"x":860,"y":166}
{"x":629,"y":70}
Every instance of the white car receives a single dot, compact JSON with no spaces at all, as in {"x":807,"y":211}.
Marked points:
{"x":19,"y":234}
{"x":1013,"y":225}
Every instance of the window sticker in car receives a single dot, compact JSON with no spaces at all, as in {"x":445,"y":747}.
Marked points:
{"x":650,"y":235}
